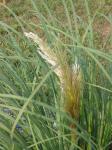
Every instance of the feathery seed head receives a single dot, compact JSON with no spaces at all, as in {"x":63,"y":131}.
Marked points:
{"x":70,"y":77}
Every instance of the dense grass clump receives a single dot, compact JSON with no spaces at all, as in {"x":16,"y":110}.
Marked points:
{"x":56,"y":92}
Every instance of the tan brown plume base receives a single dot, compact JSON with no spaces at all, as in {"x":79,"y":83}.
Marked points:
{"x":2,"y":2}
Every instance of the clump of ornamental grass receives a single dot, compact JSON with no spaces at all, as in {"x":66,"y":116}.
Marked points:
{"x":69,"y":77}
